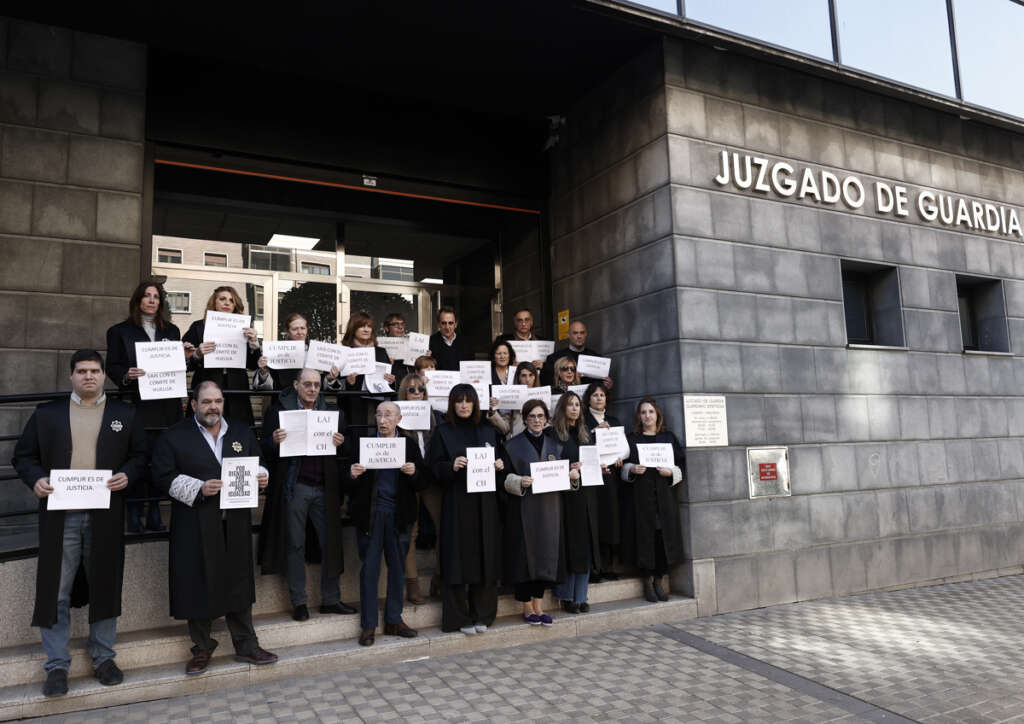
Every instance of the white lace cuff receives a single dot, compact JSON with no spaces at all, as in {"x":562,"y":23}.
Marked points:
{"x":185,"y":488}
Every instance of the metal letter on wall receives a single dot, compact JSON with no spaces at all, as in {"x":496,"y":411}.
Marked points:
{"x":768,"y":472}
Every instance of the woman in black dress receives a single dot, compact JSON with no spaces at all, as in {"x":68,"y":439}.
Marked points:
{"x":236,"y":407}
{"x":595,"y":415}
{"x":470,"y":523}
{"x":148,"y":321}
{"x":652,"y":535}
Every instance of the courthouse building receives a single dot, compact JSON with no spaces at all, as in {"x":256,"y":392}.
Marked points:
{"x":812,"y":213}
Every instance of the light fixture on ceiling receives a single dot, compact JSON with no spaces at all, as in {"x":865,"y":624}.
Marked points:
{"x":284,"y":241}
{"x":431,"y":280}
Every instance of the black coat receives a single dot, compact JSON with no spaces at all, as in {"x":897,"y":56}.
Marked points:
{"x":210,"y":561}
{"x":650,"y":501}
{"x":272,"y":545}
{"x":362,"y":491}
{"x":470,"y":535}
{"x":448,"y":357}
{"x":236,"y":407}
{"x":45,"y":445}
{"x":547,"y":375}
{"x":609,"y":520}
{"x":534,"y":537}
{"x":121,"y":339}
{"x":580,"y":507}
{"x":380,"y":355}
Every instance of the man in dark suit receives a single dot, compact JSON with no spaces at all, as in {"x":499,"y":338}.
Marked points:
{"x":210,"y":561}
{"x":523,"y":321}
{"x":81,"y":552}
{"x":446,"y":347}
{"x":577,"y":346}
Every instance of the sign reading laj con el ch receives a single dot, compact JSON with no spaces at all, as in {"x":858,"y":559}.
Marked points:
{"x":755,"y":173}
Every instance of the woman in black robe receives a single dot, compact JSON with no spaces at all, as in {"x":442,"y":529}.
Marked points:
{"x":652,"y":535}
{"x":609,"y":527}
{"x":580,"y":508}
{"x":236,"y":407}
{"x":470,"y":532}
{"x":534,"y":540}
{"x":148,"y":321}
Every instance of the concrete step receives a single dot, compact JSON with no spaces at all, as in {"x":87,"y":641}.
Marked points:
{"x":148,"y":683}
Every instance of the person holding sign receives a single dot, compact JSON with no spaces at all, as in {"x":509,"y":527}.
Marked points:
{"x":210,"y":568}
{"x":609,"y":525}
{"x":503,"y":363}
{"x":226,"y":300}
{"x":470,"y":524}
{"x":269,"y":377}
{"x":148,"y":321}
{"x":652,"y":535}
{"x":360,"y":332}
{"x":414,"y":389}
{"x":510,"y":423}
{"x":565,"y":375}
{"x":523,"y":322}
{"x":446,"y":347}
{"x":304,"y":490}
{"x":580,"y":506}
{"x":394,"y":328}
{"x":382,"y":504}
{"x":577,"y":346}
{"x":534,"y":539}
{"x":83,"y":434}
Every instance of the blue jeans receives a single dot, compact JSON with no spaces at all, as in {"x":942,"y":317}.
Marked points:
{"x":384,"y":539}
{"x":308,"y":502}
{"x":574,"y":589}
{"x":77,"y":545}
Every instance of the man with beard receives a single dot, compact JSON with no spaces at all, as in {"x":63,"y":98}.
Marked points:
{"x":210,"y":561}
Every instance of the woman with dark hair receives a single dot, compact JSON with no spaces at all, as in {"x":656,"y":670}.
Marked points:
{"x":503,"y":362}
{"x":534,"y":539}
{"x":511,"y":423}
{"x":580,"y":506}
{"x":360,"y":332}
{"x":652,"y":535}
{"x":470,"y":532}
{"x":609,"y":526}
{"x":148,"y":321}
{"x":236,"y":407}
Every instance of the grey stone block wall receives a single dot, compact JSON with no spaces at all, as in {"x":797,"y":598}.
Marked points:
{"x":72,"y":110}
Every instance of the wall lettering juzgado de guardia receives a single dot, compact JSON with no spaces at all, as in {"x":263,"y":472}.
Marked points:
{"x":781,"y":178}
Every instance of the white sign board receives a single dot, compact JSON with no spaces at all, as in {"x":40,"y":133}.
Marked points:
{"x":474,"y":372}
{"x":396,"y":347}
{"x":510,"y":397}
{"x":165,"y":356}
{"x":322,"y":355}
{"x":656,"y":455}
{"x":482,"y":392}
{"x":360,"y":361}
{"x":415,"y":414}
{"x":382,"y":453}
{"x":480,"y":470}
{"x":590,"y":366}
{"x":162,"y":385}
{"x":531,"y":350}
{"x":240,"y":488}
{"x":419,"y":345}
{"x":225,"y":331}
{"x":611,"y":444}
{"x":550,"y":477}
{"x":79,"y":490}
{"x":376,"y":381}
{"x":580,"y":390}
{"x":705,"y":420}
{"x":590,"y":470}
{"x":310,"y":432}
{"x":439,"y":384}
{"x":286,"y":355}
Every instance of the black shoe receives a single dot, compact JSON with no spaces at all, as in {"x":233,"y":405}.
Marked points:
{"x":342,"y":608}
{"x":609,"y":575}
{"x":596,"y":577}
{"x":658,"y":590}
{"x":300,"y":612}
{"x":584,"y":607}
{"x":56,"y":683}
{"x":109,"y":674}
{"x":570,"y":607}
{"x":649,"y":593}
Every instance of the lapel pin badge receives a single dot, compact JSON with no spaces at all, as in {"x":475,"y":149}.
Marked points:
{"x":116,"y":425}
{"x":236,"y":446}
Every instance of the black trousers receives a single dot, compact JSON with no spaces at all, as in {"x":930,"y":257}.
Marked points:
{"x":468,"y":604}
{"x":660,"y":561}
{"x":243,"y":636}
{"x":525,"y":592}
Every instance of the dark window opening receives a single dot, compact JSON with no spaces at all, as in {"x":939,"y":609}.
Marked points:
{"x":982,"y":314}
{"x":871,"y":303}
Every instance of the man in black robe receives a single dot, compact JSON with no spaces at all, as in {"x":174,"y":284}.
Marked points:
{"x":577,"y":346}
{"x":210,"y":561}
{"x":81,"y":552}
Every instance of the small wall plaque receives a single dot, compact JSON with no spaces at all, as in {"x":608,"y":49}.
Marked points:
{"x":768,"y":472}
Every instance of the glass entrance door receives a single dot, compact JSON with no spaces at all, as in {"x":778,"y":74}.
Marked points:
{"x":416,"y":302}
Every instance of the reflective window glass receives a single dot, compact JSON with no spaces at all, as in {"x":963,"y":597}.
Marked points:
{"x":988,"y":35}
{"x":800,"y":25}
{"x":907,"y":41}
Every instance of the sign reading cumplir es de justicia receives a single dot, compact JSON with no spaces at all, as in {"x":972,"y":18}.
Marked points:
{"x":754,"y":173}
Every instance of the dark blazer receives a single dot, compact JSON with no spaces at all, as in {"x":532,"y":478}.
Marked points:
{"x":121,"y":339}
{"x":210,"y":559}
{"x":236,"y":407}
{"x":45,"y":445}
{"x":362,"y":491}
{"x":448,"y":357}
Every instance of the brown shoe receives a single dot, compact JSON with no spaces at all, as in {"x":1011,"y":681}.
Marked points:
{"x":198,"y":663}
{"x":412,"y":592}
{"x":259,"y":657}
{"x":366,"y":637}
{"x":399,"y":629}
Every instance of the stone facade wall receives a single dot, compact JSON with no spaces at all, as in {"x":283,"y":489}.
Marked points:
{"x":72,"y":119}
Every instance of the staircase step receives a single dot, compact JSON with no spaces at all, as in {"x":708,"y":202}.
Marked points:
{"x":148,"y":683}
